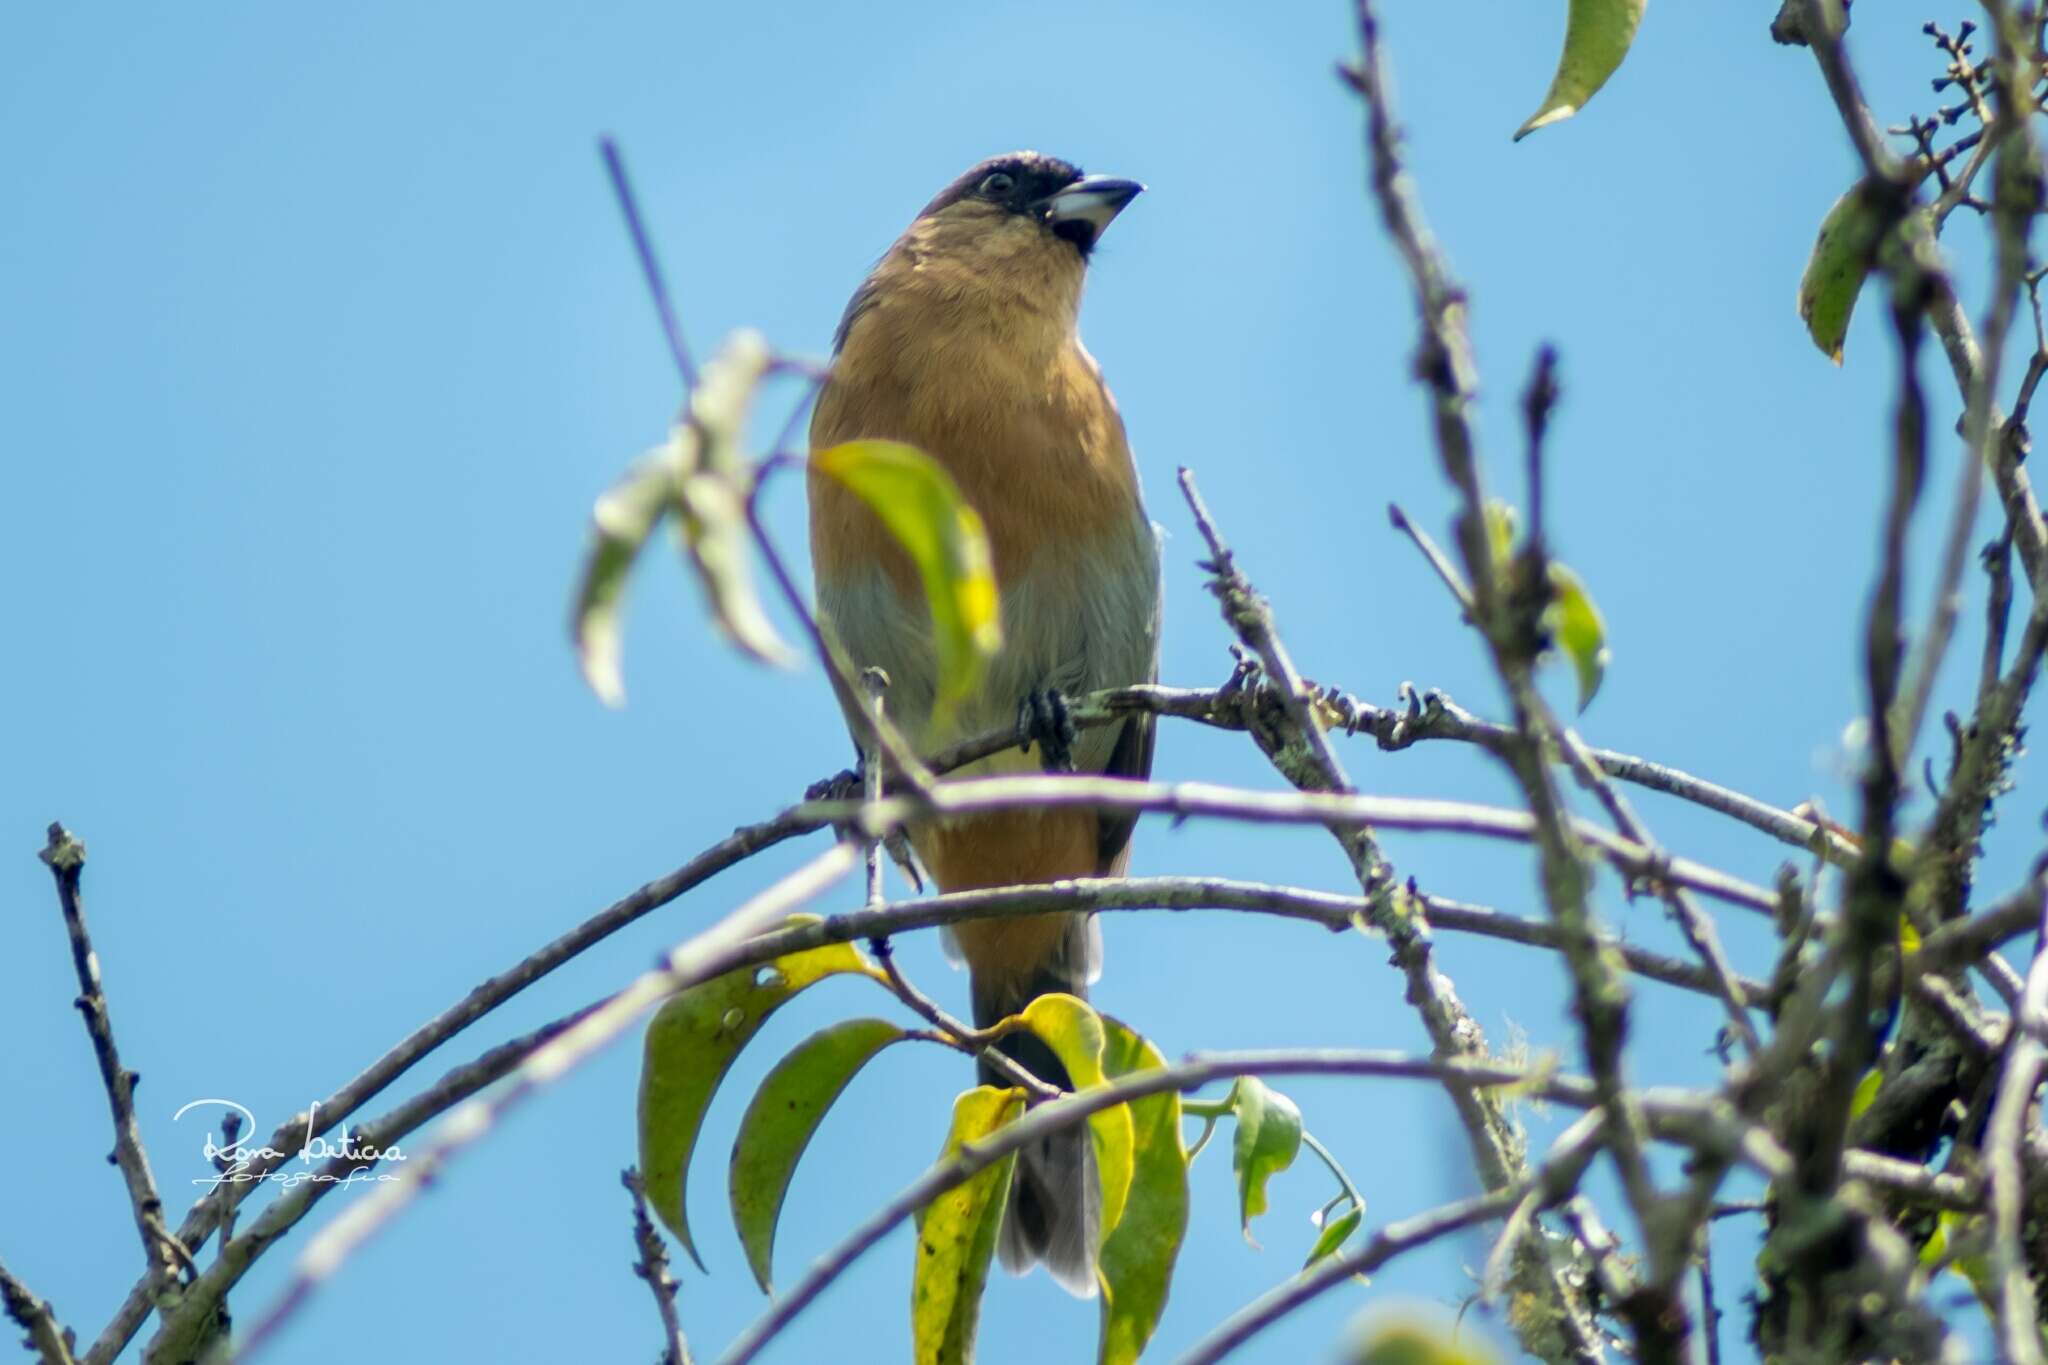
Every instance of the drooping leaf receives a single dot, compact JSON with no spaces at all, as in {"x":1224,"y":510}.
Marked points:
{"x":714,"y":493}
{"x":924,"y":511}
{"x":956,"y":1235}
{"x":699,"y":476}
{"x":1335,"y":1234}
{"x":622,"y":521}
{"x":778,"y":1125}
{"x":1842,"y":257}
{"x":691,"y":1044}
{"x":1075,"y":1034}
{"x":1597,"y":34}
{"x":1268,"y":1137}
{"x":1575,"y":626}
{"x":1405,"y":1338}
{"x":1136,"y":1262}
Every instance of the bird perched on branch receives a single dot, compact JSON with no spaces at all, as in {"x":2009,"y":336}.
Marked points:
{"x":963,"y":342}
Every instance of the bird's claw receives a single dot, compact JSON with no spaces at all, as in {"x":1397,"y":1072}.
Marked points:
{"x":1043,"y":720}
{"x":849,"y":785}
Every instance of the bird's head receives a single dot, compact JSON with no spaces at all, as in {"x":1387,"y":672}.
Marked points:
{"x":1021,"y":224}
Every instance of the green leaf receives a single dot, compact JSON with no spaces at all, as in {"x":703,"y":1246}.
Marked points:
{"x":699,"y":476}
{"x":1268,"y":1137}
{"x":622,"y":521}
{"x":1842,"y":257}
{"x":1408,"y":1339}
{"x":956,"y":1235}
{"x":922,"y":508}
{"x":1136,"y":1262}
{"x":691,"y":1044}
{"x":1597,"y":34}
{"x":1866,"y":1092}
{"x":1575,"y":626}
{"x":1075,"y":1034}
{"x":714,"y":491}
{"x":785,"y":1112}
{"x":1336,"y":1233}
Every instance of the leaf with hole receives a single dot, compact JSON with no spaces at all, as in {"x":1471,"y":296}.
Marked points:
{"x":1075,"y":1034}
{"x":924,"y":512}
{"x":1576,"y":629}
{"x":956,"y":1235}
{"x":1137,"y":1260}
{"x":692,"y":1042}
{"x":1597,"y":35}
{"x":1268,"y":1138}
{"x":780,"y":1122}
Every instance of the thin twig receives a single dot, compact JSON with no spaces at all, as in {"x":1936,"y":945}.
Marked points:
{"x":650,"y":266}
{"x":651,"y":1266}
{"x":2018,"y":1325}
{"x":48,"y":1338}
{"x":164,"y":1254}
{"x":697,"y":959}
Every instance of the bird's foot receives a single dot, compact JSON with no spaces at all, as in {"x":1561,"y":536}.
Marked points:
{"x":1043,"y":720}
{"x":850,"y":785}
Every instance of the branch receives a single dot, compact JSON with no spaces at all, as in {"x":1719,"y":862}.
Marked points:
{"x":1337,"y":811}
{"x":1551,"y":1182}
{"x":186,"y":1328}
{"x":165,"y":1255}
{"x":2018,"y":1325}
{"x":49,"y":1339}
{"x":697,"y":959}
{"x":652,"y":1266}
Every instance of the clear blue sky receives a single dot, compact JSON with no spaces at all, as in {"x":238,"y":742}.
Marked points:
{"x":321,"y":334}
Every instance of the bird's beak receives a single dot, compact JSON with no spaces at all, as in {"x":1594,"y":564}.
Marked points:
{"x":1083,"y":209}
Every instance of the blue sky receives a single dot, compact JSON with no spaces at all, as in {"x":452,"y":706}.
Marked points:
{"x":321,"y":334}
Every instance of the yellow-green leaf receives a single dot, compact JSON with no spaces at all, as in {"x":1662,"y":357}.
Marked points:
{"x":1842,"y":257}
{"x":956,"y":1236}
{"x":1136,"y":1262}
{"x":1335,"y":1234}
{"x":1973,"y":1267}
{"x":923,"y":509}
{"x":1075,"y":1034}
{"x":1597,"y":34}
{"x":780,"y":1121}
{"x":1866,"y":1092}
{"x":691,"y":1044}
{"x":1268,"y":1137}
{"x":1406,"y":1338}
{"x":622,"y":521}
{"x":1575,"y":626}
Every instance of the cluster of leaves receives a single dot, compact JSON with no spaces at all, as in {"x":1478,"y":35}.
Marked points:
{"x":1142,"y":1158}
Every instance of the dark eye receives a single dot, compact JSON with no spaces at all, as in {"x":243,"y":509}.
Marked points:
{"x":996,"y":184}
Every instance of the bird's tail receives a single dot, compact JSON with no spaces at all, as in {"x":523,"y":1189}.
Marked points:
{"x":1055,"y":1210}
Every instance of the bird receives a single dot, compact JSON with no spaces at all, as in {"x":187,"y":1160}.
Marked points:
{"x":963,"y":342}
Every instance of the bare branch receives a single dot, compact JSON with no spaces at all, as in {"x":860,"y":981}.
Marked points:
{"x":697,"y":959}
{"x":652,"y":1266}
{"x":49,"y":1339}
{"x":164,"y":1254}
